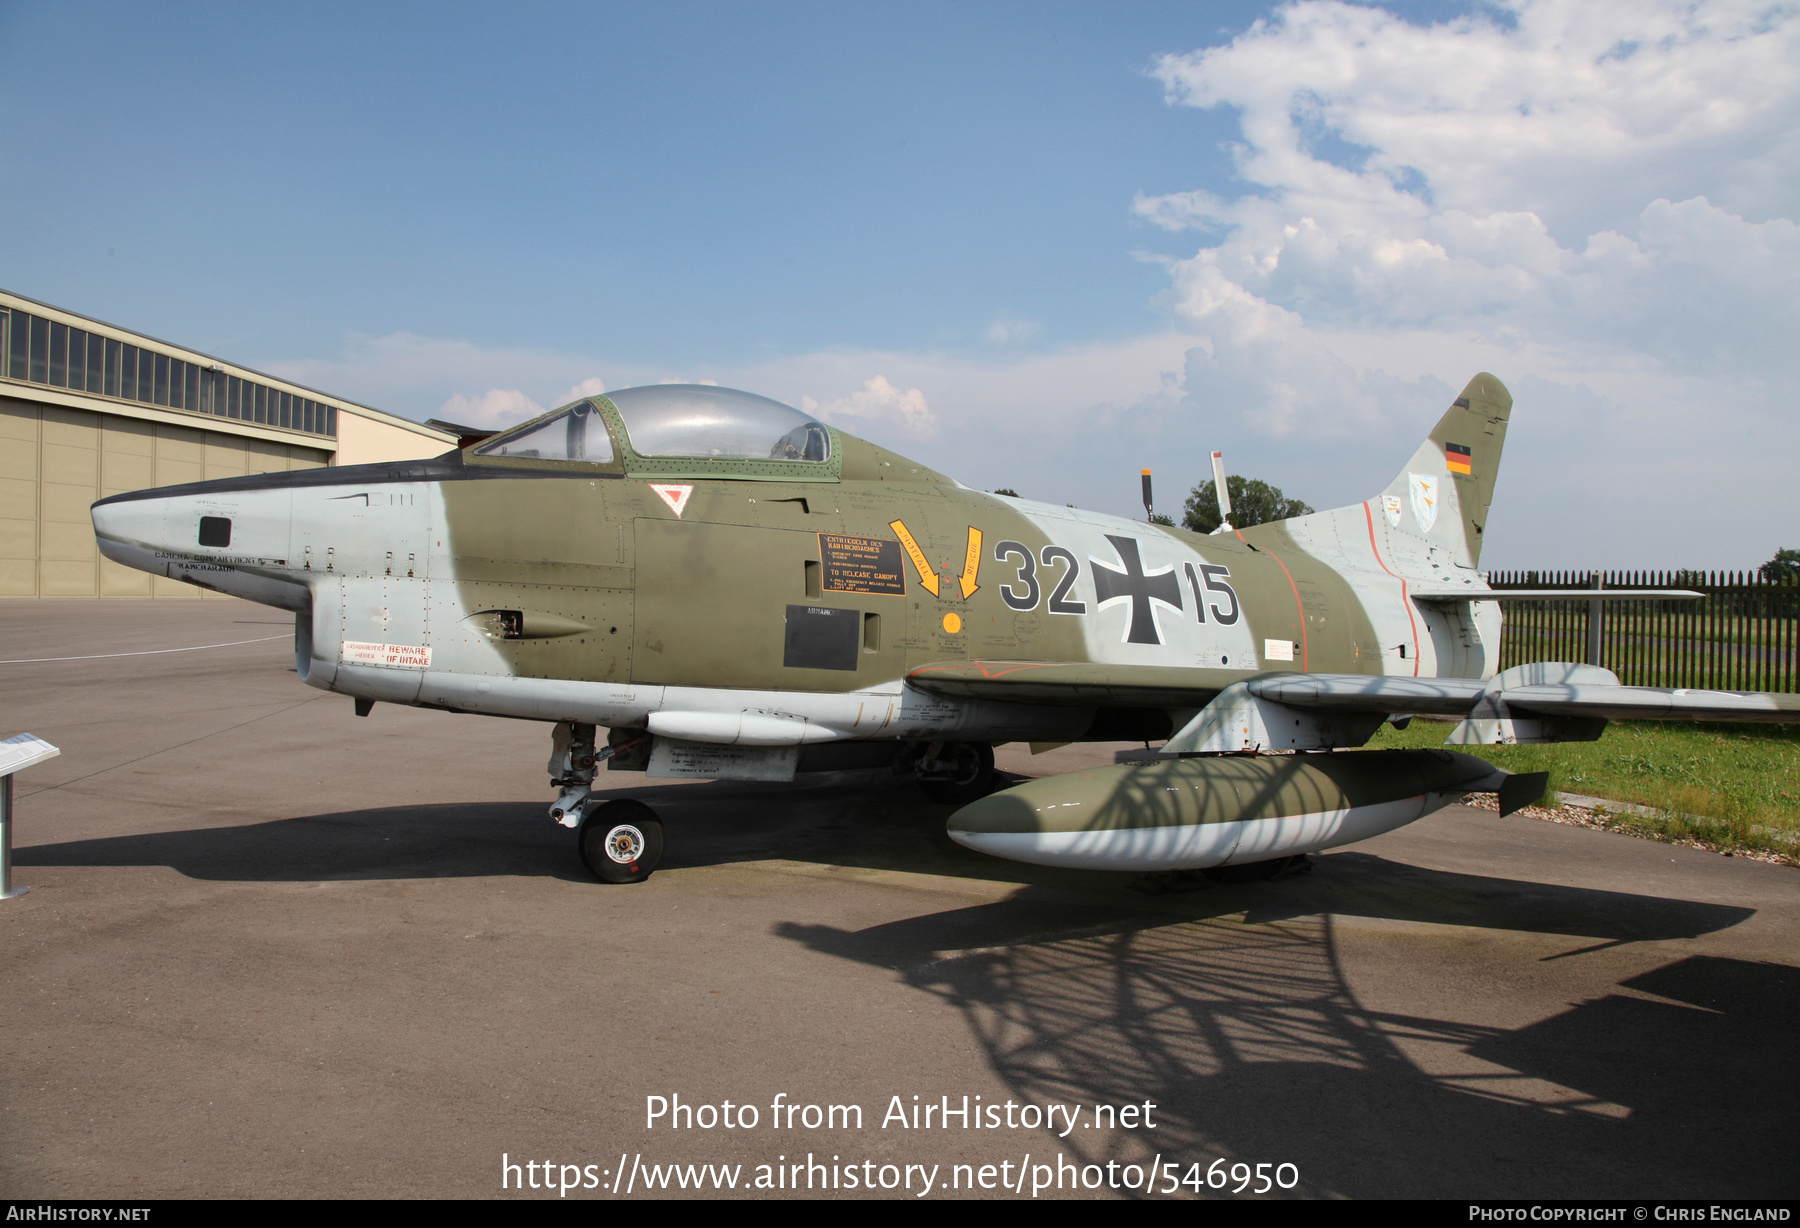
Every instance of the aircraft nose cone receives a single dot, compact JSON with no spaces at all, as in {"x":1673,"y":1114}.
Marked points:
{"x":129,"y":529}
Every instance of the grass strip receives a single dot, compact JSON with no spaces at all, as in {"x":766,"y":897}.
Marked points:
{"x":1733,"y":787}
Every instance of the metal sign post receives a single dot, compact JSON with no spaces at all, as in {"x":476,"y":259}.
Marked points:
{"x":1596,"y":623}
{"x":16,"y":754}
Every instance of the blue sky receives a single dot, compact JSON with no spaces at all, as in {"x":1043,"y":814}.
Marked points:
{"x":1034,"y":245}
{"x":711,"y":183}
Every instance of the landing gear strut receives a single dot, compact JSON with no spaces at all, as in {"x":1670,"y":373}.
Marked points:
{"x":1259,"y":871}
{"x":622,"y":840}
{"x":951,"y":773}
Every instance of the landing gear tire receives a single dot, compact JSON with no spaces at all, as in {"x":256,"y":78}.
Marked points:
{"x":621,"y":841}
{"x":971,"y":776}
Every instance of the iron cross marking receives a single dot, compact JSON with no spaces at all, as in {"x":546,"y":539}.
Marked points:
{"x":1110,"y":584}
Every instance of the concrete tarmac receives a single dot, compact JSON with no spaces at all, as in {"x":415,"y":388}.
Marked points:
{"x":275,"y":950}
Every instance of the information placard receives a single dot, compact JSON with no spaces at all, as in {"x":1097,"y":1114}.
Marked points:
{"x":861,"y":564}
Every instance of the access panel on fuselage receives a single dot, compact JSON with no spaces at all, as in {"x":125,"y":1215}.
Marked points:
{"x":713,"y":610}
{"x":566,"y":625}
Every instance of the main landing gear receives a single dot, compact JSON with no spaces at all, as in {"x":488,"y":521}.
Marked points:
{"x":621,"y":841}
{"x":950,"y":773}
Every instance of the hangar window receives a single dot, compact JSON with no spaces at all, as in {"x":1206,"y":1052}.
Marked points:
{"x":577,"y":433}
{"x":59,"y":350}
{"x":43,"y":351}
{"x":40,"y":351}
{"x":701,"y":420}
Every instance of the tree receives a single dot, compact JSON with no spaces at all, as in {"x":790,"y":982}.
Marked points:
{"x":1252,"y":502}
{"x":1010,"y":493}
{"x":1784,"y":568}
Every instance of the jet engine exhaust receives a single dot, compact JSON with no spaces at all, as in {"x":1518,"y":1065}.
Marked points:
{"x":1196,"y":813}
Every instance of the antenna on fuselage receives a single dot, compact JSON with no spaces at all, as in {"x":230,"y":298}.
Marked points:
{"x":1219,"y":488}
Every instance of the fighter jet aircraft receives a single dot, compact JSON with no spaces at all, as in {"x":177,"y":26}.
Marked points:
{"x":733,"y":589}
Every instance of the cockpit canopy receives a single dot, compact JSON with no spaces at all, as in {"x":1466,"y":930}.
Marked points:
{"x":578,"y":433}
{"x":672,"y":420}
{"x":701,"y":420}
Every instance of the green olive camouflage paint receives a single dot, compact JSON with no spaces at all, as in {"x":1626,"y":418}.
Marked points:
{"x":736,"y":590}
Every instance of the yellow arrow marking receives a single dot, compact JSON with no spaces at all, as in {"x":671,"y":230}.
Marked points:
{"x":971,"y":563}
{"x":927,"y":577}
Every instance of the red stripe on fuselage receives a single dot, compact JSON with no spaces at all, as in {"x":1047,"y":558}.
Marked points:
{"x":1299,"y":609}
{"x":1369,"y":515}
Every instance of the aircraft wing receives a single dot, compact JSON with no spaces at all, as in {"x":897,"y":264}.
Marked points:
{"x":1542,"y":702}
{"x":1075,"y":683}
{"x":1085,"y":683}
{"x":1571,"y":698}
{"x":1584,"y":691}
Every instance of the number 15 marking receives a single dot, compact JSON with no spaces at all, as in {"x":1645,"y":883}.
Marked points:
{"x":1215,"y":582}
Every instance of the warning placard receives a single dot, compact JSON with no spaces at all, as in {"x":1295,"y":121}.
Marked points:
{"x":861,"y":564}
{"x":394,"y":656}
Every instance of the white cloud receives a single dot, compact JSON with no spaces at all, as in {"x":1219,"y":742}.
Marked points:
{"x":592,"y":386}
{"x":1419,"y":176}
{"x":405,"y":373}
{"x":878,"y":401}
{"x":1007,"y":331}
{"x":1592,"y":200}
{"x":1577,"y":112}
{"x":497,"y":407}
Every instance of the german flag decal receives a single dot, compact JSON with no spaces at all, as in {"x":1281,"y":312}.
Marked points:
{"x":1456,"y":458}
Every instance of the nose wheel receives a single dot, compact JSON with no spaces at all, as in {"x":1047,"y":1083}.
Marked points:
{"x":621,"y":841}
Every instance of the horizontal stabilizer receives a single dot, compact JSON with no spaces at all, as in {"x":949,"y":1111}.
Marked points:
{"x":1554,"y":594}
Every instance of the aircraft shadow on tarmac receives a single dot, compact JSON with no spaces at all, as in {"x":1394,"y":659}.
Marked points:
{"x":1228,"y":1007}
{"x":1253,"y":1047}
{"x":839,"y":820}
{"x":862,"y":818}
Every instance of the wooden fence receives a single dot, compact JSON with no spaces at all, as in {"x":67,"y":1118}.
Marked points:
{"x":1744,"y":635}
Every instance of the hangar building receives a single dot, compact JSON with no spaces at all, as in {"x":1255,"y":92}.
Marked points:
{"x":88,"y":410}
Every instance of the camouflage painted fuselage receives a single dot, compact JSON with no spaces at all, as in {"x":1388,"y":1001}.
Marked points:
{"x":779,"y":602}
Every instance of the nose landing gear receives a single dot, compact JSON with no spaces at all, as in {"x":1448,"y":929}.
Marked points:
{"x":621,"y":841}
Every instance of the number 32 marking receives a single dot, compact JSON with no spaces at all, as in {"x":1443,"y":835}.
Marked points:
{"x":1026,"y":591}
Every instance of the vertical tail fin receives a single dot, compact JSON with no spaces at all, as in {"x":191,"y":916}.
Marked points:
{"x":1444,"y":492}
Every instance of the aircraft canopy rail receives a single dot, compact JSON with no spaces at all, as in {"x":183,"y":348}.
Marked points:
{"x":577,"y":433}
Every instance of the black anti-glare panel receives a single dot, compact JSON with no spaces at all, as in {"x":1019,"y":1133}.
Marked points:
{"x":821,"y":638}
{"x":215,"y":531}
